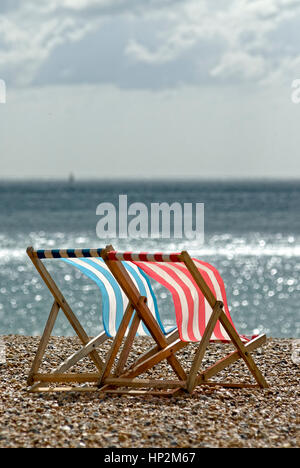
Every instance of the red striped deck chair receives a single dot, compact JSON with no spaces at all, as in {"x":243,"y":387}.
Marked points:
{"x":202,"y":315}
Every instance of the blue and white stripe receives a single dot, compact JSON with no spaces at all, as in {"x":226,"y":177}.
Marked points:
{"x":114,"y":301}
{"x":67,"y":253}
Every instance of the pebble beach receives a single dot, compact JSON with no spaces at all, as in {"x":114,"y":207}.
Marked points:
{"x":212,"y":417}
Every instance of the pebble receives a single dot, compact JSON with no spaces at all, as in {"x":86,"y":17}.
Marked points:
{"x":215,"y":417}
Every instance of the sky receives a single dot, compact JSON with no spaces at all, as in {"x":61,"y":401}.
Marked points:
{"x":149,"y":89}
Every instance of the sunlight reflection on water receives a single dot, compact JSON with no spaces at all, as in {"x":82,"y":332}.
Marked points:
{"x":262,"y":284}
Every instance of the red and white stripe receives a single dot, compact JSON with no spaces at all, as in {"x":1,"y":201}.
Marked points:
{"x":191,"y":308}
{"x":144,"y":257}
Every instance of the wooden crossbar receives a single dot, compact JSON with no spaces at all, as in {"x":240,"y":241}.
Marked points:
{"x":65,"y":253}
{"x":144,"y":257}
{"x":112,"y":255}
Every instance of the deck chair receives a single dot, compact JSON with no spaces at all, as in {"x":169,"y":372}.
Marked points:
{"x":114,"y":304}
{"x":202,"y":316}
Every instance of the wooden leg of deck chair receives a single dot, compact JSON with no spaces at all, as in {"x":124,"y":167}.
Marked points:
{"x":125,"y":351}
{"x":69,"y":362}
{"x":43,"y":342}
{"x":244,"y":353}
{"x":59,"y":298}
{"x":226,"y":324}
{"x":171,"y":338}
{"x":191,"y":381}
{"x":116,"y":343}
{"x":144,"y":363}
{"x":162,"y":354}
{"x":82,"y":352}
{"x":155,"y":356}
{"x":127,"y":345}
{"x":229,"y":359}
{"x":154,"y":359}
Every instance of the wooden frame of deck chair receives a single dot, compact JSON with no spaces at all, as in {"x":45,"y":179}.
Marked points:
{"x":165,"y":347}
{"x":84,"y":260}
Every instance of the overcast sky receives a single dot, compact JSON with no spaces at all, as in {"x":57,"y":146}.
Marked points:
{"x":149,"y":88}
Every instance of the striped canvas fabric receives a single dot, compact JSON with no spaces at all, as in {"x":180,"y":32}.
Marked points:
{"x":114,"y":301}
{"x":191,"y":308}
{"x":192,"y":311}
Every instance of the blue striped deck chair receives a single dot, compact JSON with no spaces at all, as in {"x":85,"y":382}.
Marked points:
{"x":114,"y":305}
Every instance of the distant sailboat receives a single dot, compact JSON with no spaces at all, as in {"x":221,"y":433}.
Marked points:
{"x":71,"y":178}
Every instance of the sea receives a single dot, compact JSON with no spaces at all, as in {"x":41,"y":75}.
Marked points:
{"x":251,"y":235}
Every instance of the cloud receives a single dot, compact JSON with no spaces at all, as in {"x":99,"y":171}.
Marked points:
{"x":154,"y":43}
{"x":246,"y":29}
{"x":29,"y":36}
{"x":241,"y":64}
